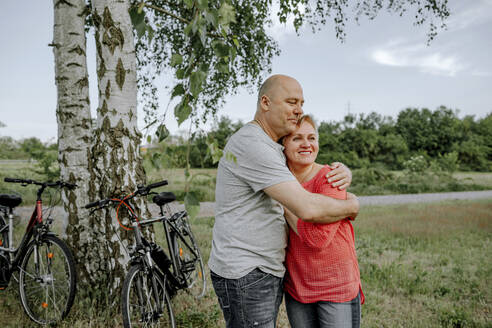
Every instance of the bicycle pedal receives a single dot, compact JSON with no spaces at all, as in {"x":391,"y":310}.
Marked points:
{"x":188,"y":266}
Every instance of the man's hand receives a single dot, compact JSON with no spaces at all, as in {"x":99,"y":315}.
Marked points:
{"x":340,"y":176}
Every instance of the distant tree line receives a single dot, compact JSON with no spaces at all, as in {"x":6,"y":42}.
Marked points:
{"x":440,"y":137}
{"x":368,"y":140}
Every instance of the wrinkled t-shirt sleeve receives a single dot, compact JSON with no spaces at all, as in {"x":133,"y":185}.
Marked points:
{"x":260,"y":165}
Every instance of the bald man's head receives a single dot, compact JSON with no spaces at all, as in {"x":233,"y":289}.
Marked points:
{"x":270,"y":87}
{"x":279,"y":106}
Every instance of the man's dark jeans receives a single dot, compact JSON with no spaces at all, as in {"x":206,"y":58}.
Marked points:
{"x":250,"y":301}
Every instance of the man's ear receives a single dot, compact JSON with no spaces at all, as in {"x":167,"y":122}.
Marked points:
{"x":265,"y":103}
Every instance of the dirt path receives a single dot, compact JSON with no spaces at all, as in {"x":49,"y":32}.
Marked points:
{"x":207,"y":208}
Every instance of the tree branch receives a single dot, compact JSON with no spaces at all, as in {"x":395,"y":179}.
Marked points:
{"x":164,"y":11}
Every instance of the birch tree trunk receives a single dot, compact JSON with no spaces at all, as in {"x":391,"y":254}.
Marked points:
{"x":74,"y":119}
{"x":116,"y":161}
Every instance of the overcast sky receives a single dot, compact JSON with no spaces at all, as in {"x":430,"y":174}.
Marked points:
{"x":383,"y":66}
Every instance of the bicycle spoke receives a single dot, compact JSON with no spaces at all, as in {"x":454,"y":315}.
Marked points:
{"x":45,"y":281}
{"x":140,"y":307}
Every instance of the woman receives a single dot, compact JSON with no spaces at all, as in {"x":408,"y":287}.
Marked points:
{"x":322,"y":283}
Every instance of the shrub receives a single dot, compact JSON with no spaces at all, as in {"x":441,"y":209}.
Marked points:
{"x":416,"y":164}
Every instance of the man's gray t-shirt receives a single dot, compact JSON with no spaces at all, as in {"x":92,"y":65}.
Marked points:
{"x":250,"y":229}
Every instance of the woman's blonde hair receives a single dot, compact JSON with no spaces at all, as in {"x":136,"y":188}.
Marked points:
{"x":304,"y":118}
{"x":309,"y":119}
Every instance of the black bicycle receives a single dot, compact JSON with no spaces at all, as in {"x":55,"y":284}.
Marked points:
{"x":154,"y":277}
{"x":45,"y":264}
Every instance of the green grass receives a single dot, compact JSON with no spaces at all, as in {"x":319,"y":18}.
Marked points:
{"x":422,"y":265}
{"x":478,"y":178}
{"x":426,"y":265}
{"x":203,"y":183}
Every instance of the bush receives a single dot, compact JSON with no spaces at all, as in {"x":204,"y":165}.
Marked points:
{"x":448,"y":162}
{"x":416,"y":164}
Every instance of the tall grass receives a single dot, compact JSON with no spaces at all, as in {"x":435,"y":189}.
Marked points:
{"x":421,"y":266}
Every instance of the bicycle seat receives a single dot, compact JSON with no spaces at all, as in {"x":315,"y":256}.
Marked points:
{"x":10,"y":200}
{"x":164,"y":198}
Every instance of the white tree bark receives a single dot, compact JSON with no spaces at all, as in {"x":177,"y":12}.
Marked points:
{"x":74,"y":118}
{"x":117,"y":164}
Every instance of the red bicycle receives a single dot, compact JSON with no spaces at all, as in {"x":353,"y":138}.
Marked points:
{"x":45,"y":264}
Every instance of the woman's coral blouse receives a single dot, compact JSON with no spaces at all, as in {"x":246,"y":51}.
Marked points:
{"x":321,"y":261}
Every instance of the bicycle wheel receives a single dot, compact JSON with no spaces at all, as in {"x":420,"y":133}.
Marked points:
{"x":141,"y":305}
{"x":189,"y":259}
{"x":4,"y":234}
{"x":4,"y":264}
{"x":47,"y":280}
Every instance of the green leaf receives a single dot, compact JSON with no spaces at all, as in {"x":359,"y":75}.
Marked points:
{"x":214,"y":151}
{"x":236,"y":42}
{"x":149,"y":139}
{"x":222,"y":67}
{"x":220,"y":48}
{"x":192,"y":204}
{"x":188,"y":28}
{"x":178,"y":90}
{"x":136,"y":15}
{"x":195,"y":24}
{"x":227,"y":14}
{"x":155,"y":160}
{"x":232,"y":53}
{"x":224,"y":31}
{"x":188,"y":3}
{"x":180,"y":73}
{"x":162,"y":132}
{"x":203,"y":35}
{"x":176,"y":59}
{"x":150,"y":33}
{"x":203,"y":4}
{"x":211,"y":18}
{"x":197,"y":79}
{"x":204,"y":67}
{"x":182,"y":111}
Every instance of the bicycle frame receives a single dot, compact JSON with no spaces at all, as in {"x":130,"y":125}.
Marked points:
{"x":31,"y":231}
{"x":170,"y":227}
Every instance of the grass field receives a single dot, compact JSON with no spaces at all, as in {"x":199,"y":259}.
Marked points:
{"x":203,"y":182}
{"x":425,"y":265}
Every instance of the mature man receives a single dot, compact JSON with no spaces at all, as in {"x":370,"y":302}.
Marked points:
{"x":249,"y":236}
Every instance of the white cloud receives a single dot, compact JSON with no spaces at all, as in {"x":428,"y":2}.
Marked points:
{"x":397,"y":54}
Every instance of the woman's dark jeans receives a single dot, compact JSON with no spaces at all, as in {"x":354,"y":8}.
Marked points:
{"x":250,"y":301}
{"x":323,"y":314}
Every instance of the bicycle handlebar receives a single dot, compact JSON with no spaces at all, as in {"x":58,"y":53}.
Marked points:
{"x":13,"y":180}
{"x":141,"y":191}
{"x":99,"y":203}
{"x":144,"y":190}
{"x":157,"y":184}
{"x":46,"y":184}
